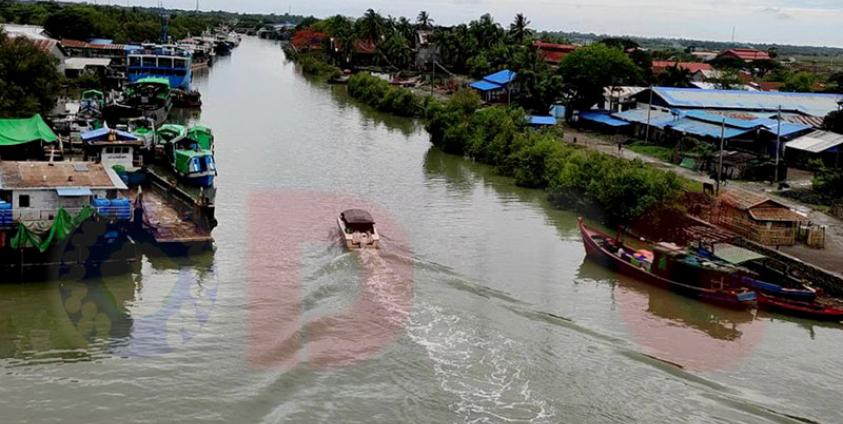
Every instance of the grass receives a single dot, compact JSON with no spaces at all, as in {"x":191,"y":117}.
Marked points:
{"x":659,"y":152}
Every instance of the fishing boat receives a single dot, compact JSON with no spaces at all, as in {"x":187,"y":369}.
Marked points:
{"x":172,"y":63}
{"x":186,"y":157}
{"x":187,"y":99}
{"x":91,"y":104}
{"x":760,"y":273}
{"x":117,"y":150}
{"x":664,"y":264}
{"x":358,"y":229}
{"x":147,"y":97}
{"x":821,"y":309}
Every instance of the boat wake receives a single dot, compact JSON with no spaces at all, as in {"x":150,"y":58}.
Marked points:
{"x":485,"y":373}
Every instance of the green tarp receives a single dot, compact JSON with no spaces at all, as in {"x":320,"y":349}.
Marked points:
{"x":21,"y":131}
{"x":62,"y":227}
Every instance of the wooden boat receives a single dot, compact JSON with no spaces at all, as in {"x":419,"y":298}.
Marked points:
{"x":820,"y":309}
{"x":709,"y":283}
{"x":186,"y":157}
{"x":358,"y":229}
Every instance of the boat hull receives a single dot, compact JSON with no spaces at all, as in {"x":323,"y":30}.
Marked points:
{"x":734,"y":300}
{"x":800,"y":309}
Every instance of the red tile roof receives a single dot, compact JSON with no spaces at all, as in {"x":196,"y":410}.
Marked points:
{"x":769,"y":85}
{"x":553,"y":53}
{"x":693,"y":67}
{"x":747,"y":54}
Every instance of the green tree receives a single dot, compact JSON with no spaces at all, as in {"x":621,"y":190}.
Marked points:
{"x":29,"y":81}
{"x":371,"y":26}
{"x":803,"y":82}
{"x":588,"y":70}
{"x":76,"y":22}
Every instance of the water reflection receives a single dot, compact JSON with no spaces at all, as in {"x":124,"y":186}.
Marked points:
{"x":88,"y":319}
{"x":677,"y":329}
{"x":65,"y":320}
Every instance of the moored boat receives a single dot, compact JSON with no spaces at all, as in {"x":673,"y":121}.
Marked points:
{"x":820,"y":309}
{"x":186,"y":156}
{"x":708,"y":282}
{"x":358,"y":229}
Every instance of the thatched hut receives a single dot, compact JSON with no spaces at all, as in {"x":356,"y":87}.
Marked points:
{"x":758,"y":218}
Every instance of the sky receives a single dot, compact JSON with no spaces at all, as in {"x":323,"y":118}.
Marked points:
{"x":802,"y":22}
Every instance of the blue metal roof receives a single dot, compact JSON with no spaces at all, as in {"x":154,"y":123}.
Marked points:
{"x":73,"y":191}
{"x":101,"y":41}
{"x":814,"y":104}
{"x":542,"y":120}
{"x":712,"y":118}
{"x":484,"y":86}
{"x":100,"y":134}
{"x":705,"y":129}
{"x":658,"y":119}
{"x":501,"y":77}
{"x":603,"y":117}
{"x":788,"y":128}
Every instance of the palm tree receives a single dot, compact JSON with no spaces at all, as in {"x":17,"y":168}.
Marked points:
{"x":424,"y":20}
{"x":518,"y":28}
{"x":371,"y":26}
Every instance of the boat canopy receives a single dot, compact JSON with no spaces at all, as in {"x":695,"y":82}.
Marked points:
{"x":21,"y":131}
{"x":172,"y":132}
{"x":154,"y":80}
{"x":201,"y":135}
{"x":357,"y":216}
{"x":735,"y":255}
{"x":104,"y":133}
{"x":93,"y":94}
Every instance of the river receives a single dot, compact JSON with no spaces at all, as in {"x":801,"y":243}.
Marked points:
{"x":480,"y":307}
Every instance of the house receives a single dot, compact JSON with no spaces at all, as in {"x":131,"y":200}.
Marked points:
{"x":660,"y":66}
{"x":620,"y":98}
{"x":823,"y":145}
{"x":758,"y":218}
{"x":427,"y":51}
{"x":37,"y":190}
{"x":115,"y":52}
{"x":75,"y":67}
{"x":601,"y":120}
{"x":706,"y":75}
{"x":803,"y":108}
{"x":37,"y":36}
{"x":746,"y":55}
{"x":307,"y":39}
{"x":497,"y":87}
{"x":553,"y":53}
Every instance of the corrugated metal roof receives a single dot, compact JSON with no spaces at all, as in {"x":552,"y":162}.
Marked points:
{"x":485,"y":86}
{"x":501,"y":77}
{"x":658,"y":119}
{"x":816,"y":142}
{"x":602,"y":117}
{"x":701,"y":115}
{"x":692,"y":67}
{"x":44,"y":175}
{"x":814,"y":104}
{"x":83,"y":62}
{"x":734,"y":254}
{"x":705,"y":129}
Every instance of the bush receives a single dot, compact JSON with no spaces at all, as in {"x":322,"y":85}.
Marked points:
{"x":313,"y":66}
{"x":384,"y":97}
{"x":623,"y":190}
{"x":829,"y":182}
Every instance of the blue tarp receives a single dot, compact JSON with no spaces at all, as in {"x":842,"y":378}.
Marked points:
{"x":485,"y":86}
{"x":73,"y":191}
{"x":539,"y":120}
{"x":101,"y":134}
{"x":602,"y":117}
{"x":501,"y":77}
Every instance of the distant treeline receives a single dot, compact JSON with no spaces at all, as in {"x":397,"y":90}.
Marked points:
{"x":683,"y":43}
{"x":125,"y":24}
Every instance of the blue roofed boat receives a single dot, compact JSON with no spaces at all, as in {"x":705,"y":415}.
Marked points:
{"x":151,"y":60}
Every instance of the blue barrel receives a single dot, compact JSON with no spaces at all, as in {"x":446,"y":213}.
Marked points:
{"x":5,"y":214}
{"x":122,"y":209}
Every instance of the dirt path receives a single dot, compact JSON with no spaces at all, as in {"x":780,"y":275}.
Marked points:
{"x":830,"y":258}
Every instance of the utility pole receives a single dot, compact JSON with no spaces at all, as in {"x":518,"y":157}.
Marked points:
{"x":778,"y":145}
{"x":432,"y":76}
{"x":720,"y":160}
{"x":649,"y":111}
